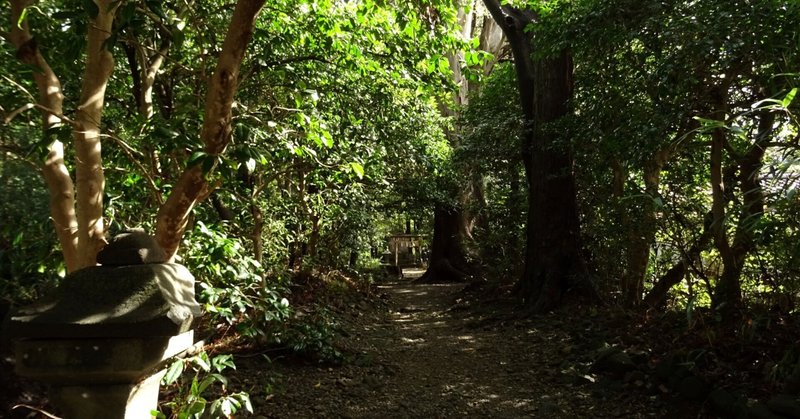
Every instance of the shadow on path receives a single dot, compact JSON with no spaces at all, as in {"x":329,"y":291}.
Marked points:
{"x":429,"y":358}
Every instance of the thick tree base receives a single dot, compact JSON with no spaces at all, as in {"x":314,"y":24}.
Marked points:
{"x":442,"y":272}
{"x":556,"y":291}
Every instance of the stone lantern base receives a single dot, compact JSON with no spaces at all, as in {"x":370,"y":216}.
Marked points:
{"x":102,"y":340}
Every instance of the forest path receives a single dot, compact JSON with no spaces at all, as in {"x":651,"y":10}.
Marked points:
{"x":427,"y":357}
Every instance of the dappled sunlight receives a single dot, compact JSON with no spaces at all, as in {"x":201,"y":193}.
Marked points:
{"x":428,"y":360}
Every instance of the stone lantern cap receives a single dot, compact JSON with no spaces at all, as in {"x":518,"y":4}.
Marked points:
{"x":112,"y":302}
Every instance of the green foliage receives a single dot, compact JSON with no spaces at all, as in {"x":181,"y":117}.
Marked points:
{"x":491,"y":126}
{"x":233,"y":287}
{"x":29,"y":260}
{"x":206,"y":395}
{"x":653,"y":73}
{"x":237,"y":291}
{"x":312,"y":334}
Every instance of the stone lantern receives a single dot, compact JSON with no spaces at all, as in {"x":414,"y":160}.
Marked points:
{"x":102,"y":339}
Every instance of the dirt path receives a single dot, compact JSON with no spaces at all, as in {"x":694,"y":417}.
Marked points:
{"x":426,"y":358}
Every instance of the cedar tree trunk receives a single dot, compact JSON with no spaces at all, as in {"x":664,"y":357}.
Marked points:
{"x":553,"y":261}
{"x":447,"y":262}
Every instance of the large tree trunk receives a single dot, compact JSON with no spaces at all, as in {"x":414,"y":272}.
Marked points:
{"x":193,"y":186}
{"x":553,"y":261}
{"x":453,"y":227}
{"x":447,"y":262}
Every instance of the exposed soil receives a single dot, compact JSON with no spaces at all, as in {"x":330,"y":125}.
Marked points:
{"x":429,"y":354}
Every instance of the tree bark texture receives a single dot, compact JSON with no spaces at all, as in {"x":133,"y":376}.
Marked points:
{"x":192,"y":186}
{"x":448,"y":245}
{"x":728,"y":291}
{"x":54,"y":170}
{"x":447,"y":262}
{"x":89,"y":177}
{"x":642,"y":232}
{"x":553,"y":261}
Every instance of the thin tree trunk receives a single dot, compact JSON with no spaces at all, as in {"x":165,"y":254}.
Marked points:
{"x":54,"y":171}
{"x":258,"y":230}
{"x":657,"y":296}
{"x":728,"y":290}
{"x":149,"y":72}
{"x":192,"y":186}
{"x":641,"y":234}
{"x":258,"y":220}
{"x":89,"y":177}
{"x":313,"y":239}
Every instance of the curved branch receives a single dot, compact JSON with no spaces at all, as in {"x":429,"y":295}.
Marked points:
{"x":56,"y":175}
{"x":192,"y":187}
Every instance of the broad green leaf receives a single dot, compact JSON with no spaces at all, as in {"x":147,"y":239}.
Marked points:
{"x":196,"y":158}
{"x":194,"y":390}
{"x":327,"y":139}
{"x":207,"y":381}
{"x":245,"y":398}
{"x":173,"y":372}
{"x":197,"y":408}
{"x":202,"y":361}
{"x":789,"y":98}
{"x":226,"y":407}
{"x":358,"y":169}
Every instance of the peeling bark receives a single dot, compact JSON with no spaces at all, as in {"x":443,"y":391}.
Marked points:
{"x":89,"y":177}
{"x":54,"y":171}
{"x":173,"y":216}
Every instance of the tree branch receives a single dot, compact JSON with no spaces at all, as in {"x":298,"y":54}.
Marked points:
{"x":192,"y":187}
